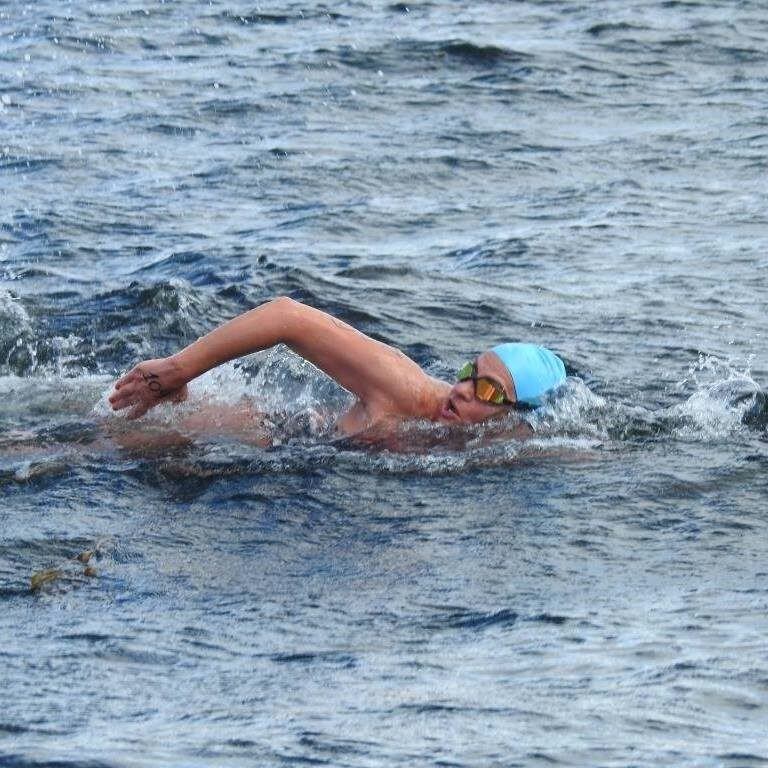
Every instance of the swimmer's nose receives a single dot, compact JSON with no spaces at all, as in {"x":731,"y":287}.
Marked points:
{"x":464,"y":390}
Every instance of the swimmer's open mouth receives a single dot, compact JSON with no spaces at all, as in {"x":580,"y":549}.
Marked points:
{"x":449,"y":412}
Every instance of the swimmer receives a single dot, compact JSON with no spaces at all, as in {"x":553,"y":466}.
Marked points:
{"x":389,"y":386}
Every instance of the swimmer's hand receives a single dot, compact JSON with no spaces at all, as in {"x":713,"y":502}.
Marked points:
{"x":148,"y":384}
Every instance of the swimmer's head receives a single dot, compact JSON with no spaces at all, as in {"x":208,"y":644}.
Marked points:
{"x":505,"y":376}
{"x":534,"y":370}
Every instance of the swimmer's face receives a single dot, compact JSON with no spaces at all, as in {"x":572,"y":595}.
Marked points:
{"x":463,"y":406}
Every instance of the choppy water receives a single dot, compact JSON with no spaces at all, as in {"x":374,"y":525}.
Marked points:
{"x":444,"y":176}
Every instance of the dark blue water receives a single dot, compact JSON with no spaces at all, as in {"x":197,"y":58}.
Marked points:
{"x":444,"y":176}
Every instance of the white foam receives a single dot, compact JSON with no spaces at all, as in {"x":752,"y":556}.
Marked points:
{"x":12,"y":312}
{"x":723,"y":393}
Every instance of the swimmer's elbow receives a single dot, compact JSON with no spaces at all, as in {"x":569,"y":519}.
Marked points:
{"x":283,"y":303}
{"x":290,"y":317}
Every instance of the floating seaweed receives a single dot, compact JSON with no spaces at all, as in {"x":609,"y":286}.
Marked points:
{"x":69,"y":571}
{"x":41,"y":578}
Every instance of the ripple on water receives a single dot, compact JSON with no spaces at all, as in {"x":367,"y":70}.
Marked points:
{"x":445,"y":176}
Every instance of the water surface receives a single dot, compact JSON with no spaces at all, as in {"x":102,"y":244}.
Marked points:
{"x":444,"y":176}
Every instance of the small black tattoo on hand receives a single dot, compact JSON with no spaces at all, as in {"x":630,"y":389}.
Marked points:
{"x":154,"y":384}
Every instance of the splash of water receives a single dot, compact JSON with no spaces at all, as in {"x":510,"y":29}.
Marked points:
{"x":726,"y":401}
{"x":721,"y":402}
{"x":298,"y":405}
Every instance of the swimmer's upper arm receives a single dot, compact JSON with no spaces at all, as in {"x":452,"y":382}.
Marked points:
{"x":372,"y":370}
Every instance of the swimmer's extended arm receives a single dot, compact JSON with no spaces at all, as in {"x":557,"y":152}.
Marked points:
{"x":372,"y":370}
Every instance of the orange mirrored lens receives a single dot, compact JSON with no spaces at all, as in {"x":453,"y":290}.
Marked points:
{"x":488,"y":390}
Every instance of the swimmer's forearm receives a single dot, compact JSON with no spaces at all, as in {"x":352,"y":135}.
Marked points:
{"x":152,"y":382}
{"x":260,"y":328}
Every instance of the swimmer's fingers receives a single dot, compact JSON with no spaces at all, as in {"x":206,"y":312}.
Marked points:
{"x":131,"y":377}
{"x":125,"y":392}
{"x":139,"y":406}
{"x":134,"y":407}
{"x":125,"y":389}
{"x":131,"y":389}
{"x":137,"y":411}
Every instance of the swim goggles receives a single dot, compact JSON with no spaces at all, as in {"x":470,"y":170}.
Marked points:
{"x":487,"y":390}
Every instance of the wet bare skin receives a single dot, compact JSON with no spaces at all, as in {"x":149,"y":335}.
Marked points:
{"x":240,"y":421}
{"x":391,"y":388}
{"x":455,"y":406}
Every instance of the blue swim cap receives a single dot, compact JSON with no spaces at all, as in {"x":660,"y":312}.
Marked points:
{"x":534,"y":370}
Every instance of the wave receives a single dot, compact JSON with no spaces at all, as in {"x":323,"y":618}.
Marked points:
{"x":274,"y":413}
{"x":726,"y":404}
{"x":28,"y":164}
{"x":610,"y":28}
{"x":426,"y":54}
{"x":278,"y":19}
{"x":93,"y":44}
{"x":111,"y":329}
{"x":105,"y":333}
